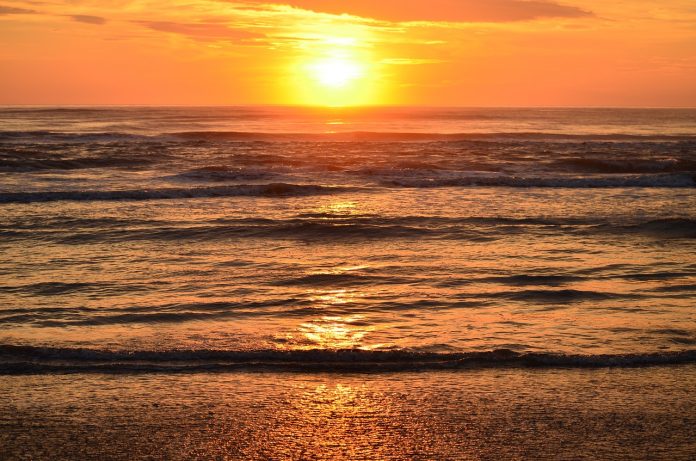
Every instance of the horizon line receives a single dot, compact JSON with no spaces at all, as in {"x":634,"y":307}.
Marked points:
{"x":367,"y":106}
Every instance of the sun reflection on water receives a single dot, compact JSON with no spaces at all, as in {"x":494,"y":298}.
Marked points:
{"x":330,"y":332}
{"x":339,"y":208}
{"x":333,"y":297}
{"x":333,"y":332}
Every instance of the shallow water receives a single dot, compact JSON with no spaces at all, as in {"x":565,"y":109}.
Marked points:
{"x":162,"y":239}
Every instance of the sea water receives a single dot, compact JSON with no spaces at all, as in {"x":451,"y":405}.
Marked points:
{"x":176,"y":238}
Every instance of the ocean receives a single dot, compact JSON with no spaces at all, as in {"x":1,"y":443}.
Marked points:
{"x":352,"y":254}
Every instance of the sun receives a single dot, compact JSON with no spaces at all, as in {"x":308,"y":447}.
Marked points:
{"x":336,"y":72}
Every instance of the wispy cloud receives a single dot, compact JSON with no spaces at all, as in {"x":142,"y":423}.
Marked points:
{"x":410,"y":61}
{"x":442,"y":10}
{"x":88,"y":19}
{"x":6,"y":10}
{"x":201,"y":31}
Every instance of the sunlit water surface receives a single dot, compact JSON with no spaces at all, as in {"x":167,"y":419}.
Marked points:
{"x":395,"y":283}
{"x":553,"y":231}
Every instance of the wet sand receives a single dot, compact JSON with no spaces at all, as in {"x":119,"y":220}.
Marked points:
{"x":620,"y":413}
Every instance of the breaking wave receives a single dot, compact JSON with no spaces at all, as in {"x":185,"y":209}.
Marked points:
{"x":222,"y":173}
{"x":59,"y":136}
{"x":22,"y":164}
{"x":48,"y":136}
{"x":252,"y":190}
{"x":674,"y":228}
{"x":336,"y":228}
{"x":633,"y":165}
{"x":40,"y":360}
{"x":551,"y":181}
{"x":416,"y":136}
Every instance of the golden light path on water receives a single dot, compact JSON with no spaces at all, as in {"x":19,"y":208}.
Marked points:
{"x":467,"y":294}
{"x":334,"y":331}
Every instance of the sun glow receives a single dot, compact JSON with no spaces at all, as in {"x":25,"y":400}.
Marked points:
{"x":336,"y":72}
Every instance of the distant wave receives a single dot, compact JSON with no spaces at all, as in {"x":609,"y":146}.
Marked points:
{"x":554,"y":296}
{"x":355,"y":228}
{"x":221,"y":173}
{"x":346,"y":136}
{"x":627,"y":165}
{"x":60,"y":136}
{"x":551,"y":181}
{"x":529,"y":279}
{"x":24,"y":163}
{"x":260,"y":190}
{"x":415,"y":136}
{"x":295,"y":190}
{"x":413,"y":174}
{"x":38,"y":360}
{"x":310,"y":228}
{"x":674,"y":228}
{"x":342,"y":279}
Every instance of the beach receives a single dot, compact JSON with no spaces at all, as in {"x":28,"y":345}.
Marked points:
{"x":509,"y":413}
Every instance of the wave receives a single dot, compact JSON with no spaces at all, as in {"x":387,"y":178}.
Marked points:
{"x":627,"y":165}
{"x":572,"y":182}
{"x":252,"y":190}
{"x":555,"y":296}
{"x":46,"y":288}
{"x":28,"y":157}
{"x":690,"y":287}
{"x":121,"y":133}
{"x":341,"y":136}
{"x":529,"y":279}
{"x":668,"y":228}
{"x":312,"y":227}
{"x":342,"y":279}
{"x":24,"y":164}
{"x":381,"y":136}
{"x":219,"y":173}
{"x":353,"y":228}
{"x":147,"y":314}
{"x":60,"y":136}
{"x":37,"y":360}
{"x":418,"y":136}
{"x":429,"y":175}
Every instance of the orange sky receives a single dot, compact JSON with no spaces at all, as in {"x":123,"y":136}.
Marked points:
{"x":338,"y":52}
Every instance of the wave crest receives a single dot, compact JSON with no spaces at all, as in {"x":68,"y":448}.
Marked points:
{"x":551,"y":181}
{"x":37,"y":360}
{"x":252,"y":190}
{"x":389,"y":136}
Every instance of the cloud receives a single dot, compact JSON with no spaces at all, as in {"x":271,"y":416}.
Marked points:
{"x":200,"y":31}
{"x":443,"y":10}
{"x":12,"y":10}
{"x":410,"y":61}
{"x":87,"y":19}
